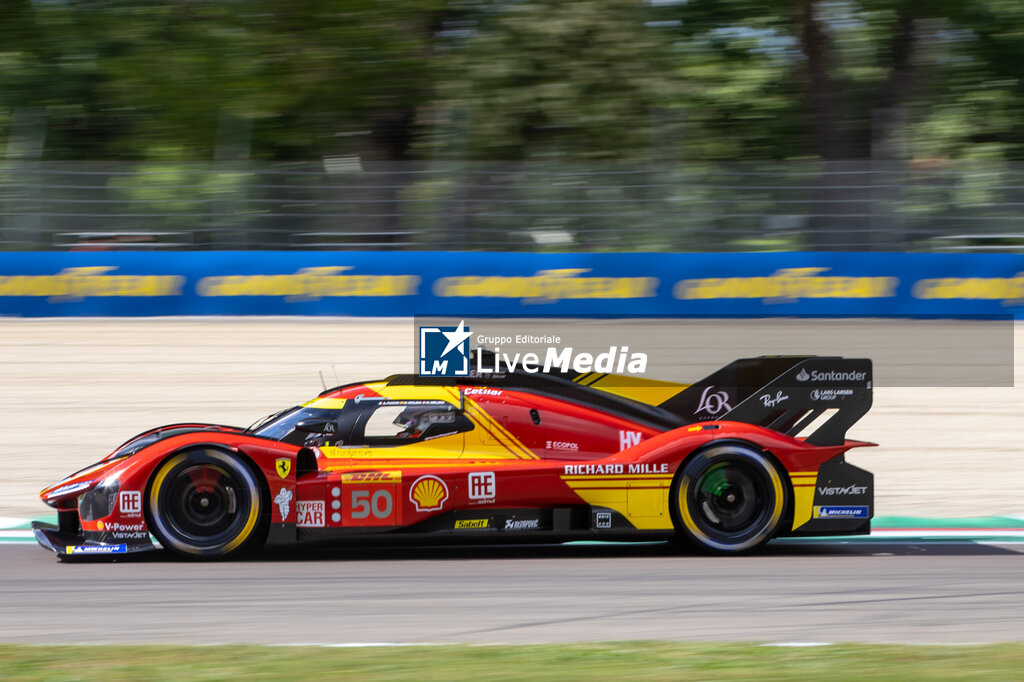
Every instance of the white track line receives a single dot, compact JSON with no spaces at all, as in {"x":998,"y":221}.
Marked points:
{"x":362,"y":645}
{"x":16,"y":535}
{"x":798,"y":644}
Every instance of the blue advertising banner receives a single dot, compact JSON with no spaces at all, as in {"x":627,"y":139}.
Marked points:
{"x":45,"y":284}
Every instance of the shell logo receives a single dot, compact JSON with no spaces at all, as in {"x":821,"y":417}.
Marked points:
{"x":428,"y":493}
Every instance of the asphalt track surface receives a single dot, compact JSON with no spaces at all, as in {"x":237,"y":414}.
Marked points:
{"x":830,"y":592}
{"x":72,"y":389}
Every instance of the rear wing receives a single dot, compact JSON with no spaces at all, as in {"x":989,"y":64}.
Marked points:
{"x":820,"y":397}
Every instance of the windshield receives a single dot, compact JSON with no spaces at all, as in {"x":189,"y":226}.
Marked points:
{"x":264,"y":421}
{"x":280,"y":425}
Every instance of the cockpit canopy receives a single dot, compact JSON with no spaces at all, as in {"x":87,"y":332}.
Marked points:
{"x":367,"y":422}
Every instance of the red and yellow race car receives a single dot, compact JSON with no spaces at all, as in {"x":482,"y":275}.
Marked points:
{"x":754,"y":451}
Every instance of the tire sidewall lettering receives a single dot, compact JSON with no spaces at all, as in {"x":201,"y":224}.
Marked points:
{"x":699,"y":462}
{"x":242,"y":474}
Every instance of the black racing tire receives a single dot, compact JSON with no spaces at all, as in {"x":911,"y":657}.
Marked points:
{"x":727,"y":499}
{"x":206,"y":504}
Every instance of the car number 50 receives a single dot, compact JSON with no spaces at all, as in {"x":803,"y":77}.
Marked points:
{"x":379,"y":504}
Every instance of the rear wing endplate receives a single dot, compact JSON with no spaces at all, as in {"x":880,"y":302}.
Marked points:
{"x":820,"y":397}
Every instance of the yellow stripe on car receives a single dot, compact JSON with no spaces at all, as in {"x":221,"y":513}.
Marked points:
{"x":647,"y":391}
{"x":804,"y":483}
{"x":326,"y":403}
{"x":640,"y":498}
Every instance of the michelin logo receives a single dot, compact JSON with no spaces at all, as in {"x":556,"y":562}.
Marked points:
{"x":283,"y":501}
{"x":97,"y":549}
{"x":840,"y":512}
{"x":444,"y":351}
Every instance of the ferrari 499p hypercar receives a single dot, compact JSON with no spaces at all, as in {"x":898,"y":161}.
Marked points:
{"x":754,"y":451}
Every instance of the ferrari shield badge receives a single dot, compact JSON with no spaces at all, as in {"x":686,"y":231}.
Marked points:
{"x":283,"y":466}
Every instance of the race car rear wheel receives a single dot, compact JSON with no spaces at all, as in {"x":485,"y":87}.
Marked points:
{"x":205,"y":503}
{"x":729,"y":498}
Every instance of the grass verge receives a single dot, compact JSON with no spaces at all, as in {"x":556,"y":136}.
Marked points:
{"x":606,"y":661}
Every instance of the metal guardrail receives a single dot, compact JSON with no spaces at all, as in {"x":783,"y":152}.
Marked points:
{"x":348,"y":240}
{"x":856,"y":205}
{"x":121,"y":240}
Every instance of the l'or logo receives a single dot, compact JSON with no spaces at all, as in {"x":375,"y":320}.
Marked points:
{"x":283,"y":467}
{"x":714,"y":403}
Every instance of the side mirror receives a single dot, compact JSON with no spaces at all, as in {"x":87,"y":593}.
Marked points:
{"x":318,"y":426}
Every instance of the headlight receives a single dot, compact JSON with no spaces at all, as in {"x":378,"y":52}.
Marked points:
{"x":65,"y":490}
{"x":99,"y":502}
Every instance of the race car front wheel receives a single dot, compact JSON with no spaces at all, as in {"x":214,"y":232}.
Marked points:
{"x":205,"y":503}
{"x":728,"y":498}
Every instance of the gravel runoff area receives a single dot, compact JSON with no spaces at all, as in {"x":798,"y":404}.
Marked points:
{"x":73,"y":389}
